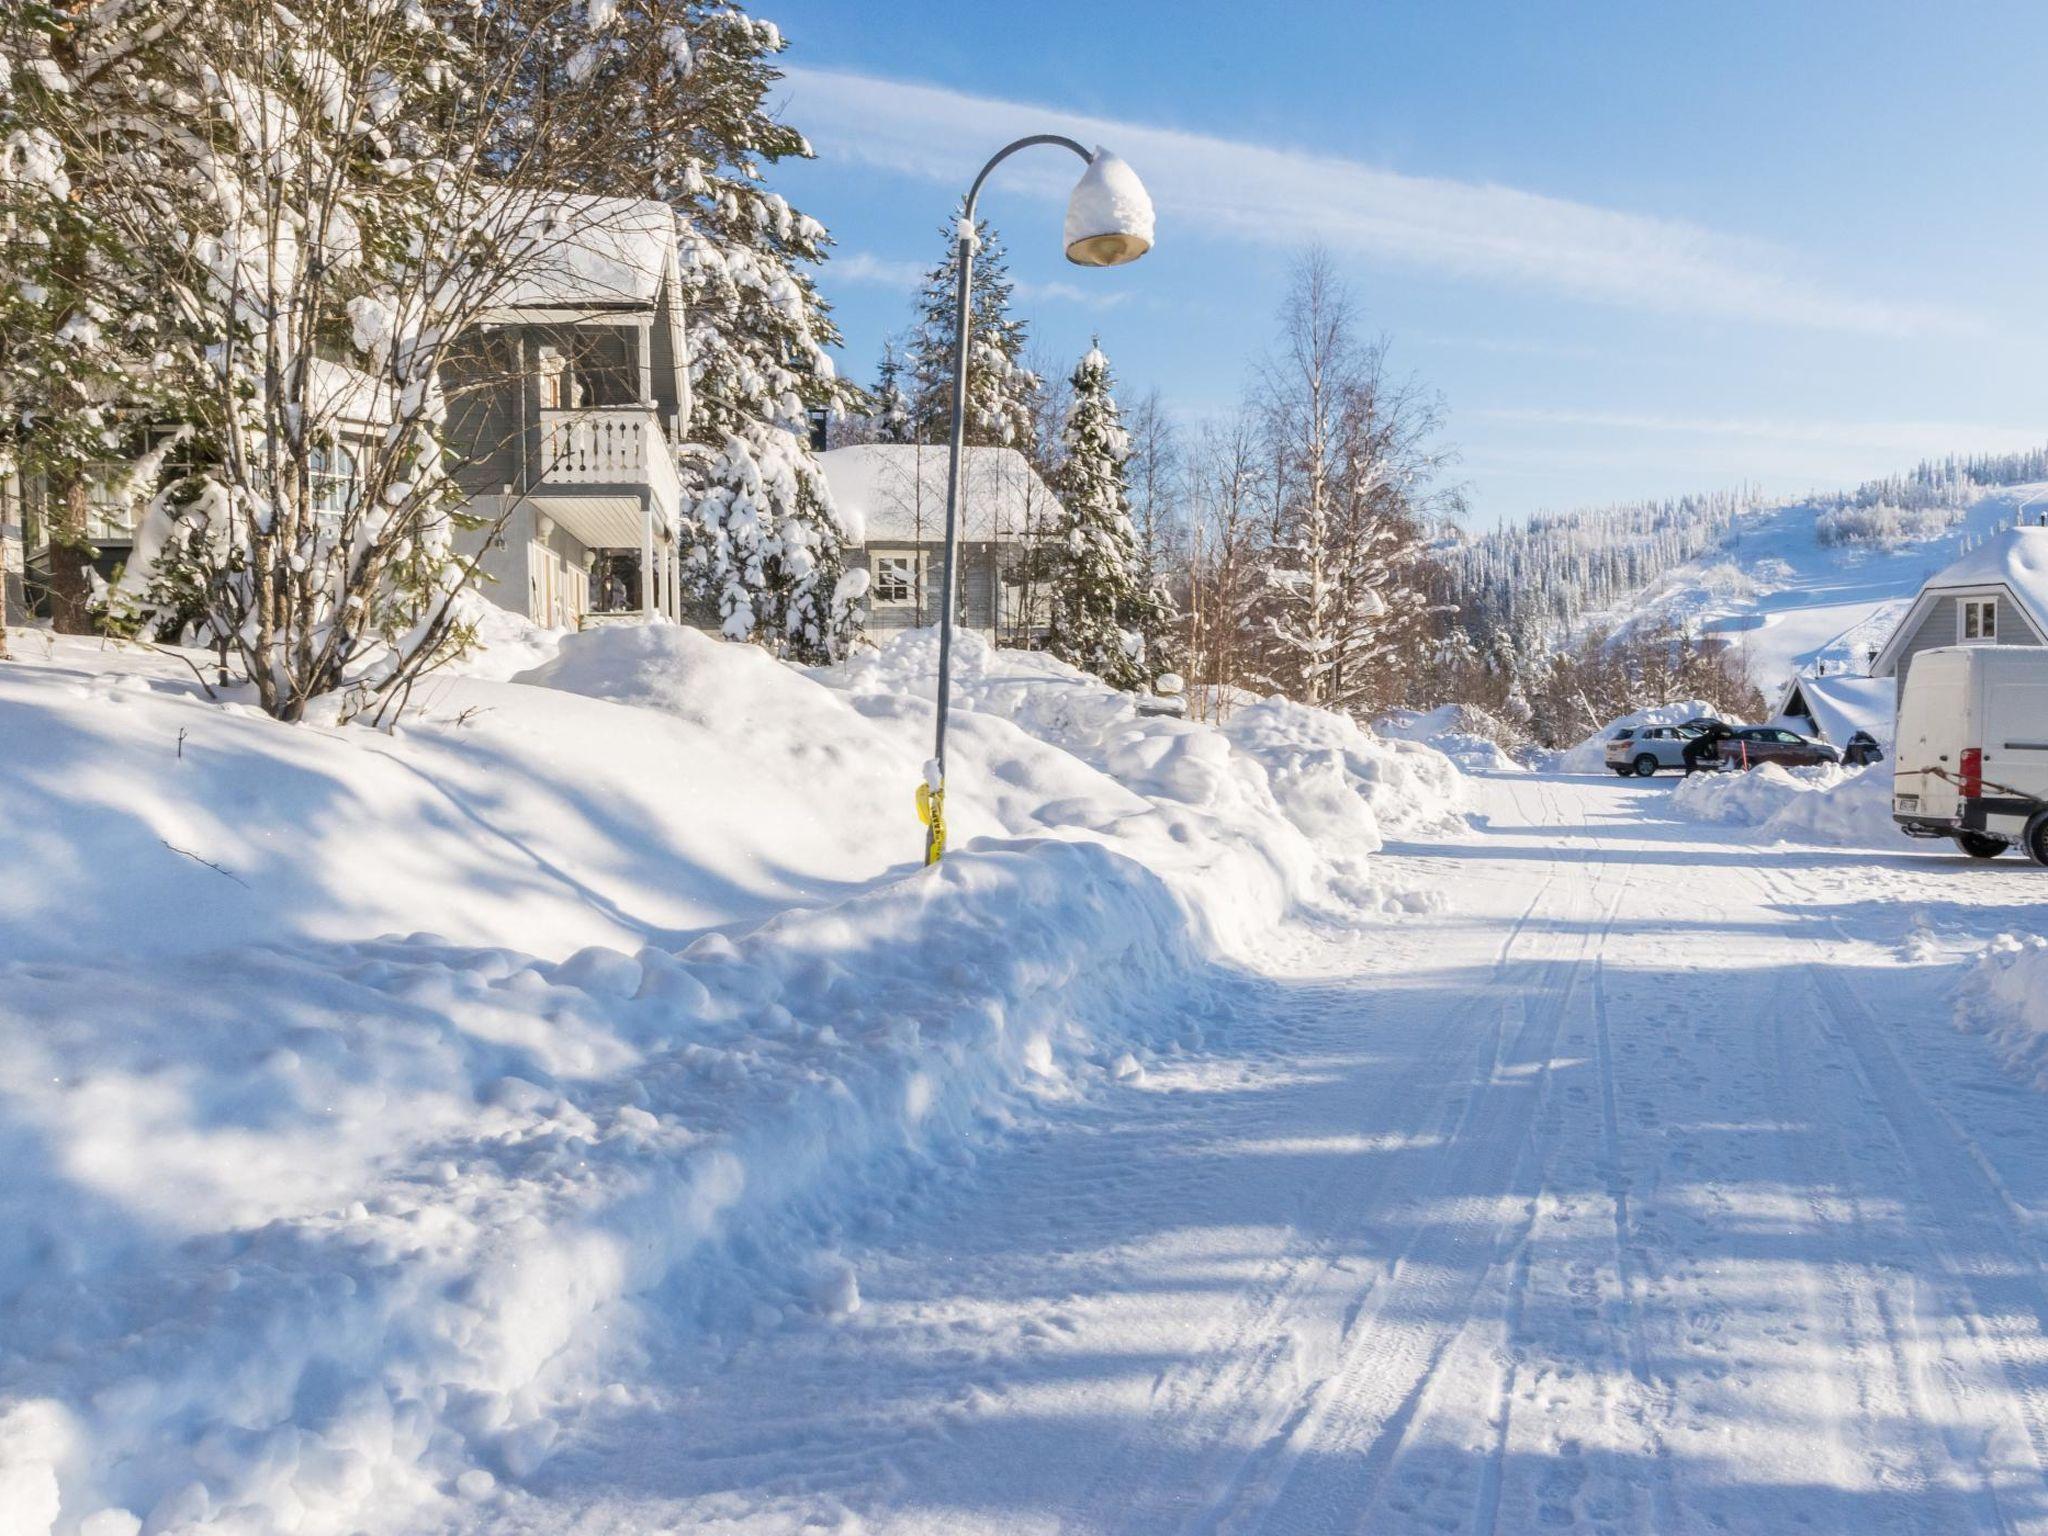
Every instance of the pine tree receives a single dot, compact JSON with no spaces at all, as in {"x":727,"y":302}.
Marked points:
{"x":999,"y":386}
{"x":75,"y":314}
{"x":766,"y":542}
{"x":893,"y":419}
{"x":1101,"y":610}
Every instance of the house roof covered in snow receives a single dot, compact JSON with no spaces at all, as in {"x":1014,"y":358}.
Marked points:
{"x":888,"y":493}
{"x":586,"y":253}
{"x":1842,"y":703}
{"x":2015,"y":561}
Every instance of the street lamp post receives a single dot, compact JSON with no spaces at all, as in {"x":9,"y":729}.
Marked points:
{"x":1109,"y":223}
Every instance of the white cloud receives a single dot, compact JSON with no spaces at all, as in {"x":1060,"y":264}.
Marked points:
{"x":885,"y":272}
{"x":1283,"y":197}
{"x":1909,"y":438}
{"x":880,"y":271}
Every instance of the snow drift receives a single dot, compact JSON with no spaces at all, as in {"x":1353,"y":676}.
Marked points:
{"x":2005,"y":996}
{"x":371,"y":1100}
{"x":1469,"y":737}
{"x":1828,"y":805}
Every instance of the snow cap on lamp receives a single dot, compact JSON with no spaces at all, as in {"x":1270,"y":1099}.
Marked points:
{"x":1109,"y":217}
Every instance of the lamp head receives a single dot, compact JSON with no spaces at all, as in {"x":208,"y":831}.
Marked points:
{"x":1109,"y":216}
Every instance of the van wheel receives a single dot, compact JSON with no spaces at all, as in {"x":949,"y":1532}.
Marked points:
{"x":1978,"y":846}
{"x":2035,"y":838}
{"x":1646,"y":764}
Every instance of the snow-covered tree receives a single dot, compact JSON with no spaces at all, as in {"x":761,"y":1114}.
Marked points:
{"x":999,"y":386}
{"x":893,"y":418}
{"x":1352,"y":459}
{"x":75,"y":316}
{"x":1101,"y":609}
{"x":766,"y":542}
{"x":322,"y":199}
{"x":1156,"y":474}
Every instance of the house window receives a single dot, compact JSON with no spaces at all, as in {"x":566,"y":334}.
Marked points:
{"x":1980,"y":619}
{"x":895,"y":582}
{"x":331,"y":480}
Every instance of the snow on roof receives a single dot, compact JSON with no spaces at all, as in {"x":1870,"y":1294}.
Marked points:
{"x":590,"y":251}
{"x":1842,"y":703}
{"x":2016,"y":559}
{"x":896,"y":492}
{"x":338,"y":391}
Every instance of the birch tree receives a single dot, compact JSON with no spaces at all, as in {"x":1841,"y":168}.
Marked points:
{"x":322,"y":200}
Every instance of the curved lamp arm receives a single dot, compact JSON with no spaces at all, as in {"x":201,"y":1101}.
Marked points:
{"x":974,"y":192}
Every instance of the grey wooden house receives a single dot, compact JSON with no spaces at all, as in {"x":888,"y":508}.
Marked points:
{"x":891,"y":501}
{"x":1997,"y":594}
{"x":567,"y":409}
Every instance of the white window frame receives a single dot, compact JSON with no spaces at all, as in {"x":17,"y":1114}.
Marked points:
{"x":1978,"y":614}
{"x":912,"y":562}
{"x":331,"y":482}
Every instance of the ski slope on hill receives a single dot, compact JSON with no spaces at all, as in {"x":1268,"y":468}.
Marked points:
{"x":1789,"y":602}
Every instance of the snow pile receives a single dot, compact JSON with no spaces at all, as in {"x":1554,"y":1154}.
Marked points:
{"x":505,"y":643}
{"x":1317,"y":762}
{"x":1590,"y":755}
{"x":348,"y":1238}
{"x":1469,"y":737}
{"x":2006,"y":997}
{"x":1275,"y":808}
{"x":314,"y":1227}
{"x":1828,"y":805}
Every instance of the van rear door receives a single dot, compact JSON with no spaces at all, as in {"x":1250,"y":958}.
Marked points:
{"x":1934,"y":728}
{"x":2015,"y":716}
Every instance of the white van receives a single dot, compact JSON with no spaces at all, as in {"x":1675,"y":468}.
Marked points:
{"x":1972,"y":759}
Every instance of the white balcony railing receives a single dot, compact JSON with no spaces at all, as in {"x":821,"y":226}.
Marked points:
{"x":609,"y":445}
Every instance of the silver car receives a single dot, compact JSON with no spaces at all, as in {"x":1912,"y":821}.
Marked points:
{"x":1643,"y":749}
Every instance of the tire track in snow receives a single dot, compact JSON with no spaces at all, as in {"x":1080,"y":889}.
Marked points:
{"x":1228,"y":1382}
{"x":1385,"y":1366}
{"x":2005,"y":1313}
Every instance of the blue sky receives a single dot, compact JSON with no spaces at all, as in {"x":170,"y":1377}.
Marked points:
{"x":1641,"y":249}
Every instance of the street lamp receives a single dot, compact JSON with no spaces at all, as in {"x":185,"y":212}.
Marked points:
{"x":1109,"y":223}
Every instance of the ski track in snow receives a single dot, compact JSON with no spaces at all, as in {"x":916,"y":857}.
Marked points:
{"x":1648,"y":1189}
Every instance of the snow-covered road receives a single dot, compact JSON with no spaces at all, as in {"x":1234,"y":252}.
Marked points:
{"x":1648,"y":1188}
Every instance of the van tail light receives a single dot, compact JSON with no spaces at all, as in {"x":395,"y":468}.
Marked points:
{"x":1973,"y":773}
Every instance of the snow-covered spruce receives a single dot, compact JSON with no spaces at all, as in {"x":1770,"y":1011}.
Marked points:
{"x":1000,"y":389}
{"x":1102,"y":610}
{"x":765,"y":544}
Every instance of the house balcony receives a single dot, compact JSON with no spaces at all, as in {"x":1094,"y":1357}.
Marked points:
{"x":607,"y":476}
{"x":604,"y":469}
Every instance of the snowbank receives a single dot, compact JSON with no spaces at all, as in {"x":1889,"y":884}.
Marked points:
{"x":1836,"y":807}
{"x":1275,"y":808}
{"x":345,"y":1238}
{"x":1590,"y":755}
{"x":368,"y":1099}
{"x":1468,"y":737}
{"x":2005,"y":997}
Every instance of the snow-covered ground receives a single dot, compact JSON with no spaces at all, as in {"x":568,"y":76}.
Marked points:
{"x":1228,"y":1137}
{"x":374,"y":1104}
{"x":1788,"y":601}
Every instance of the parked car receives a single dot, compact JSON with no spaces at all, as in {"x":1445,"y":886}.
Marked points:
{"x":1643,"y":749}
{"x":1754,"y":745}
{"x":1971,"y":761}
{"x":1861,"y":750}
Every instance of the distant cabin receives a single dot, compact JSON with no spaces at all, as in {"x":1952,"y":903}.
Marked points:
{"x":891,"y":501}
{"x":1834,"y":706}
{"x":1995,"y":595}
